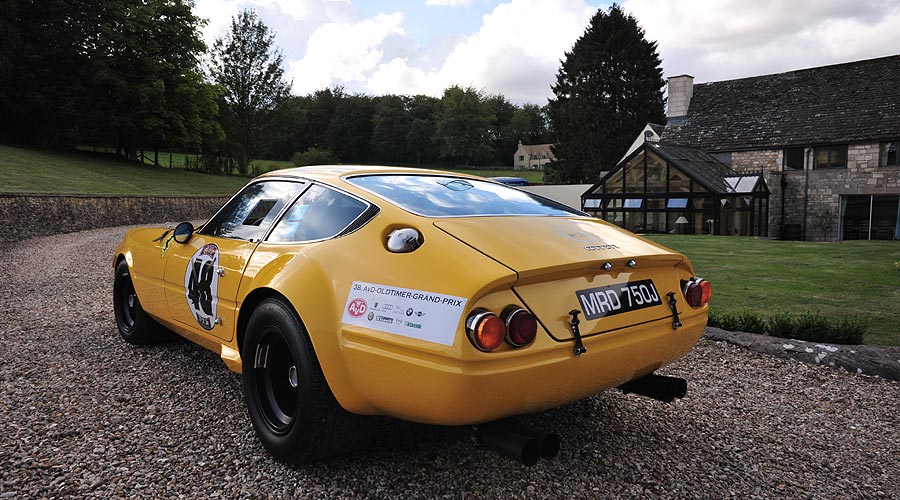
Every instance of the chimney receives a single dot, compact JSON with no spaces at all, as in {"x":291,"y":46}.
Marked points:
{"x":681,"y":90}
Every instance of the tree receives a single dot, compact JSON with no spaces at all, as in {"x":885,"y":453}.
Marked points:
{"x":349,"y":132}
{"x":464,"y":125}
{"x":503,"y":139}
{"x":607,"y":88}
{"x":249,"y":69}
{"x":420,"y":137}
{"x":390,"y":125}
{"x":113,"y":71}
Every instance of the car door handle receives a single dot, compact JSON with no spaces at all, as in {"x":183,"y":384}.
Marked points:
{"x":220,"y":271}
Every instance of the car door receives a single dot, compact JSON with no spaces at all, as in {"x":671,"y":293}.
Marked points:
{"x":202,"y":276}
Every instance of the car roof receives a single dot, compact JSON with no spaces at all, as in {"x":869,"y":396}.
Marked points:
{"x":333,"y":173}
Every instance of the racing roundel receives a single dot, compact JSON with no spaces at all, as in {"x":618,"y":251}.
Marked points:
{"x":201,"y":285}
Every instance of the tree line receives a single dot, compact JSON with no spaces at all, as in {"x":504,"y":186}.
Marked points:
{"x":137,"y":75}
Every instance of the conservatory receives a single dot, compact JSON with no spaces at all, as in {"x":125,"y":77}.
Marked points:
{"x":662,"y":188}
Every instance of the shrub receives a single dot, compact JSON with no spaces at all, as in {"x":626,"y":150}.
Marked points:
{"x":808,"y":326}
{"x":313,"y":156}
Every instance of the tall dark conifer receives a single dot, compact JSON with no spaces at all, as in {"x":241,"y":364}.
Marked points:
{"x":607,"y":88}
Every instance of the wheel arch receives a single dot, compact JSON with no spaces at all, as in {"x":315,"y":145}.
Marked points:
{"x":335,"y":372}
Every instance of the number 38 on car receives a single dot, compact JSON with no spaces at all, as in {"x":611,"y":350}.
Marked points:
{"x":347,"y":292}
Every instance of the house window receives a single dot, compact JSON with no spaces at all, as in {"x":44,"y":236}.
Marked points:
{"x":831,"y":157}
{"x":633,"y":202}
{"x":889,"y":156}
{"x":793,"y":159}
{"x":521,"y":157}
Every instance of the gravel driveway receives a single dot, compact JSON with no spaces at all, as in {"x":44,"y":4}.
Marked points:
{"x":82,"y":414}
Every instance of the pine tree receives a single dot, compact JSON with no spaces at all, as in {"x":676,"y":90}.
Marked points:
{"x":608,"y":87}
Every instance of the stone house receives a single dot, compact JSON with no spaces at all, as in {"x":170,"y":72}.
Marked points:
{"x":822,"y":144}
{"x":532,"y":157}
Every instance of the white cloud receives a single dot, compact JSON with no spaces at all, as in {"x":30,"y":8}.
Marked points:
{"x":449,"y":3}
{"x":727,"y":39}
{"x":516,"y":53}
{"x":344,"y":52}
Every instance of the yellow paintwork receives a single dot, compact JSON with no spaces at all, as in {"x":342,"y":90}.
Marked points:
{"x":534,"y":262}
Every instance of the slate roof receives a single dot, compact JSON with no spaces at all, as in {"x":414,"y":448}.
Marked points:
{"x":842,"y":103}
{"x":698,"y":165}
{"x":704,"y":168}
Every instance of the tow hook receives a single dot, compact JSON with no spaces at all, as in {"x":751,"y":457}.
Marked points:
{"x":579,"y":345}
{"x":673,"y":305}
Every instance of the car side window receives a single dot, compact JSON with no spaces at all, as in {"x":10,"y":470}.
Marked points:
{"x":249,"y":214}
{"x":318,"y":214}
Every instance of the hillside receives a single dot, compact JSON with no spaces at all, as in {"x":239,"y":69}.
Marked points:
{"x":79,"y":172}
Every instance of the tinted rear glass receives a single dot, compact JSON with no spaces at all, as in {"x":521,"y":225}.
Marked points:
{"x":437,"y":196}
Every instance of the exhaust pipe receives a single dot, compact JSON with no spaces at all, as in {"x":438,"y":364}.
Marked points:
{"x":659,"y":387}
{"x":519,"y":442}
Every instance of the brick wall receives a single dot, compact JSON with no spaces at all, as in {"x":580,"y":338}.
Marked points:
{"x":29,"y":216}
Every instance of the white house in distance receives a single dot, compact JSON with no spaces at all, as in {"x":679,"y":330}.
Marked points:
{"x":532,"y":157}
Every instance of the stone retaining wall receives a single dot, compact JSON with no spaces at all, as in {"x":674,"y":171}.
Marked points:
{"x":29,"y":216}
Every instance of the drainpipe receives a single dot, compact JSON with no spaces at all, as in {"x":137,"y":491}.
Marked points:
{"x":806,"y":168}
{"x":897,"y":229}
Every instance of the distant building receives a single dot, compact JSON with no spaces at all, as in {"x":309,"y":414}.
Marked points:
{"x":532,"y":157}
{"x":809,"y":154}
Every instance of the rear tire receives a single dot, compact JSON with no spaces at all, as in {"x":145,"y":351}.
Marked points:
{"x":135,"y":325}
{"x":293,"y":411}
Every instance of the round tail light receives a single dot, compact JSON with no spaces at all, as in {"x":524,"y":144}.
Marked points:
{"x":486,"y":331}
{"x":697,"y":292}
{"x":521,"y":326}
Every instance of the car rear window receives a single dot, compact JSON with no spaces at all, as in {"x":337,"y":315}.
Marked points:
{"x":440,"y":196}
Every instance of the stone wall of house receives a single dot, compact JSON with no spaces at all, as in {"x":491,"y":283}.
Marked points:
{"x":863,"y":176}
{"x":767,"y":162}
{"x":29,"y":216}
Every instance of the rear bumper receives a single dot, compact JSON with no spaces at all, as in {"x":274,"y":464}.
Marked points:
{"x":399,"y":383}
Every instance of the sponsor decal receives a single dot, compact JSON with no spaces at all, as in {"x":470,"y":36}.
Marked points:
{"x":201,"y":285}
{"x":357,"y":307}
{"x":419,"y":314}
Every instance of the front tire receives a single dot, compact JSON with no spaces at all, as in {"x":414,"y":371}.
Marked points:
{"x":135,"y":325}
{"x":293,"y":411}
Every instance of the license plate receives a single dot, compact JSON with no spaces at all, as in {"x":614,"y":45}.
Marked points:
{"x":617,"y":299}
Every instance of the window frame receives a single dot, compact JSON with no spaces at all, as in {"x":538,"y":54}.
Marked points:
{"x":304,"y":184}
{"x":784,"y":159}
{"x":882,"y":158}
{"x":830,"y":165}
{"x":370,"y":208}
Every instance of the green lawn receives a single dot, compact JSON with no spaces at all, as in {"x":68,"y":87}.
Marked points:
{"x":87,"y":172}
{"x":81,"y":172}
{"x":852,"y":277}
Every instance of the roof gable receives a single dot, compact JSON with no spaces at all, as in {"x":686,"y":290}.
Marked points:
{"x":843,"y":103}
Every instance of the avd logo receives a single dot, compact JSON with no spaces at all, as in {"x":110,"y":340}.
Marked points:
{"x":357,"y":308}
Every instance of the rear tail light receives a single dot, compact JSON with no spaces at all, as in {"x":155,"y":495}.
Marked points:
{"x":697,"y":292}
{"x":486,"y":331}
{"x":521,"y":326}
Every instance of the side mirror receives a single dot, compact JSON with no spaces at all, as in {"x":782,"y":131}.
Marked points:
{"x":183,"y":232}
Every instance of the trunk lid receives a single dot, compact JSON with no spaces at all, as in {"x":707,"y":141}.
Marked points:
{"x":560,"y":261}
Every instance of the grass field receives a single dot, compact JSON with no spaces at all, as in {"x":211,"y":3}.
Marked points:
{"x":79,"y":172}
{"x":88,"y":172}
{"x":848,"y":278}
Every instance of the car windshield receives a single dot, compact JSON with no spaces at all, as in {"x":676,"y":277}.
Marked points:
{"x":439,"y":196}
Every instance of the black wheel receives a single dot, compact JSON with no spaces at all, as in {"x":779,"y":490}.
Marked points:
{"x":290,"y":404}
{"x":135,"y":326}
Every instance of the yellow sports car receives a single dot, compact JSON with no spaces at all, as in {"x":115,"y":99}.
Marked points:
{"x":346,"y":291}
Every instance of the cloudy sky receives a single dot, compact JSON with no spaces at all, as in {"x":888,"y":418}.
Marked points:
{"x":513,"y":47}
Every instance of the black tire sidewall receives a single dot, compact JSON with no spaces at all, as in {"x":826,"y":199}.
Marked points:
{"x":270,"y":315}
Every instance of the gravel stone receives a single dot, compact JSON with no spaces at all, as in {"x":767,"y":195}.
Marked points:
{"x":84,"y":415}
